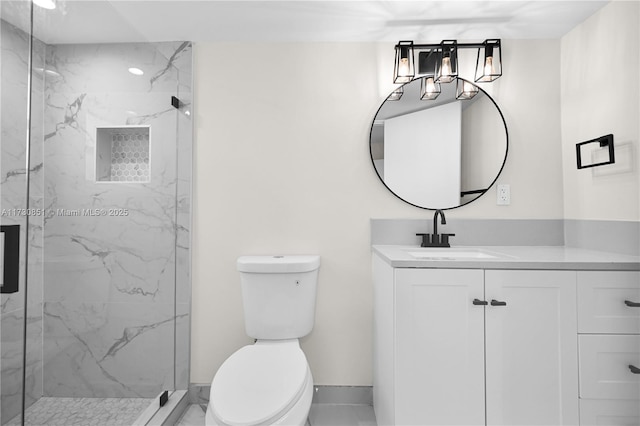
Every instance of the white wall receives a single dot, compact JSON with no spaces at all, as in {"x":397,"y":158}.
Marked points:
{"x":600,"y":71}
{"x":283,"y":166}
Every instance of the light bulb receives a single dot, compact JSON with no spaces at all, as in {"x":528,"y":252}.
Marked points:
{"x":445,"y":74}
{"x":430,"y":86}
{"x":430,"y":91}
{"x":468,"y":91}
{"x":403,"y":68}
{"x":488,"y":68}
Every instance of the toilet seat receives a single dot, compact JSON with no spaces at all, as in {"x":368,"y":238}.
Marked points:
{"x":259,"y":383}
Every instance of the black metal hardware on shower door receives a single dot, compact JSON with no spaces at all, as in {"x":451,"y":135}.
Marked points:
{"x":634,"y":369}
{"x":176,"y":103}
{"x":164,"y":397}
{"x":11,"y":258}
{"x":632,"y":304}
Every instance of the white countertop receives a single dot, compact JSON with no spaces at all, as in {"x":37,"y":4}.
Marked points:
{"x":508,"y":257}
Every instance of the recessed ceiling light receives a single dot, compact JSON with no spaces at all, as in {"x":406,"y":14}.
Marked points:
{"x":45,"y":4}
{"x":136,"y":71}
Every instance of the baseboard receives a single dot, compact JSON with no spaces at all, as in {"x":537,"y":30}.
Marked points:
{"x":357,"y":395}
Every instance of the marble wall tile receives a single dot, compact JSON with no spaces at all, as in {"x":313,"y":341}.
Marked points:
{"x":11,"y":348}
{"x":182,"y":353}
{"x":108,"y":349}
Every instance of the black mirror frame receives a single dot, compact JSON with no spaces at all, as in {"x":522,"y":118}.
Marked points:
{"x":504,"y":161}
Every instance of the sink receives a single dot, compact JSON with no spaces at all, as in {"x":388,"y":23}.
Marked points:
{"x":452,"y":254}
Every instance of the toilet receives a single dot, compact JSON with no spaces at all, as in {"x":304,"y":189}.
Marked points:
{"x":269,"y":382}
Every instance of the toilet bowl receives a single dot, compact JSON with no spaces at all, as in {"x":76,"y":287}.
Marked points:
{"x":269,"y":382}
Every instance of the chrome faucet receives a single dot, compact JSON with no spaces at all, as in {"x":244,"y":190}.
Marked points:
{"x":435,"y":239}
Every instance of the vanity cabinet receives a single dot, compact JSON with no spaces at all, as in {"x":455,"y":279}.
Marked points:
{"x":444,"y":357}
{"x":609,"y":345}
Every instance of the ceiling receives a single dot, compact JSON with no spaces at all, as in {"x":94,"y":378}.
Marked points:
{"x":77,"y":21}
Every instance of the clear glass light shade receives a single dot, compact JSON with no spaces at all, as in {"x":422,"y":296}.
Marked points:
{"x":465,"y":89}
{"x":396,"y":94}
{"x":447,"y":65}
{"x":429,"y":89}
{"x":489,"y":61}
{"x":404,"y":68}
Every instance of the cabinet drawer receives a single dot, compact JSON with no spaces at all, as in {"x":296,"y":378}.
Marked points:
{"x":601,"y":302}
{"x":600,"y":412}
{"x":604,"y":364}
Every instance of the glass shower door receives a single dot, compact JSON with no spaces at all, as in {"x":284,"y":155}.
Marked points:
{"x":95,"y":172}
{"x":21,"y":306}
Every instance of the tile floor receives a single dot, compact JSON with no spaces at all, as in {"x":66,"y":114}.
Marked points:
{"x":49,"y":411}
{"x":320,"y":415}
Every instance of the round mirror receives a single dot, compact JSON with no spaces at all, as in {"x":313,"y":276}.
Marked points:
{"x":442,"y":153}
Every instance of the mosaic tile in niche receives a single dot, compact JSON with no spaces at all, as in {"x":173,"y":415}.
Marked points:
{"x":122,"y":154}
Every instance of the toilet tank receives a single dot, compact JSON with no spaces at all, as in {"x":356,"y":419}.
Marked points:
{"x":278,"y":295}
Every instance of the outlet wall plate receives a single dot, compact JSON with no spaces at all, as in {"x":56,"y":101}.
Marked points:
{"x":503,"y":195}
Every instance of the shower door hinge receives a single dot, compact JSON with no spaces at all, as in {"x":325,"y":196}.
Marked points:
{"x":176,"y":103}
{"x":164,"y":398}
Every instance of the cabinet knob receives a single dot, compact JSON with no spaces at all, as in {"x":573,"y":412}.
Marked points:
{"x":480,"y":302}
{"x":634,"y":369}
{"x":632,"y":304}
{"x":495,"y":302}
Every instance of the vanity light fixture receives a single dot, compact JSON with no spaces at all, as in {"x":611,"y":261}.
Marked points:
{"x":404,"y":70}
{"x":444,"y":69}
{"x":429,"y":87}
{"x":489,"y":67}
{"x":465,"y":90}
{"x":447,"y":65}
{"x":396,"y":94}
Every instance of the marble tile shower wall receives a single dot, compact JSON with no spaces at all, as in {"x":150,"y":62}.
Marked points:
{"x":111,"y":263}
{"x":14,"y":51}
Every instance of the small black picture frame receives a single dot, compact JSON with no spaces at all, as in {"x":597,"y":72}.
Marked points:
{"x":11,"y":261}
{"x":603,"y":141}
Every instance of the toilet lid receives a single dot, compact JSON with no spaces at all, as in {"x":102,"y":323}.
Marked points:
{"x":258,"y":382}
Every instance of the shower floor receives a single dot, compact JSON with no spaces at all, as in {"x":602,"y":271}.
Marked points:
{"x":52,"y":411}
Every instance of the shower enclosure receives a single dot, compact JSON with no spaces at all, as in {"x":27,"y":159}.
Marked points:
{"x":95,"y":195}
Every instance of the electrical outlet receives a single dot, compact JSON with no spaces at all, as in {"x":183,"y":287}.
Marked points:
{"x":504,"y":195}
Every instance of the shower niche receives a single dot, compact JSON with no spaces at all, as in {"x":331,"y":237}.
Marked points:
{"x":122,"y":154}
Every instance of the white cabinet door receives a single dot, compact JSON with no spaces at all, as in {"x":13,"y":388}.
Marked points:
{"x":531,"y":358}
{"x":439,"y":358}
